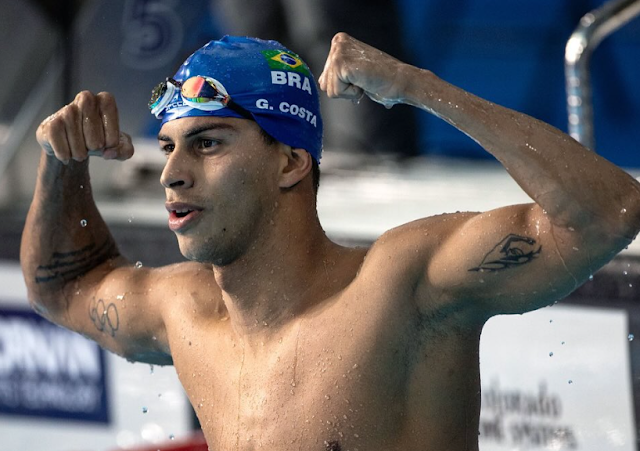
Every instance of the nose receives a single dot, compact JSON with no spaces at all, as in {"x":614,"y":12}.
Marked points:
{"x":177,"y":172}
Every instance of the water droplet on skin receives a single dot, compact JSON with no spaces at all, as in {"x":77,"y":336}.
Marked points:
{"x":630,"y":337}
{"x":120,"y":297}
{"x":138,"y":264}
{"x":83,"y":223}
{"x":81,"y":186}
{"x":145,"y":410}
{"x":591,"y":277}
{"x":154,"y":338}
{"x":623,"y":211}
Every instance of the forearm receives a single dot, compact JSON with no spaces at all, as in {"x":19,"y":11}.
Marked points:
{"x":571,"y":183}
{"x":64,"y":236}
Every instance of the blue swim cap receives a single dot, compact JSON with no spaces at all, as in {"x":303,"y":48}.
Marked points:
{"x":264,"y":78}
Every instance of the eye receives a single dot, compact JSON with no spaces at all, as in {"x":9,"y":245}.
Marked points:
{"x":207,"y":144}
{"x":167,"y":148}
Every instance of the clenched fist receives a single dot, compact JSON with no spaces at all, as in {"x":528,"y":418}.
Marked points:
{"x":354,"y":68}
{"x":87,"y":126}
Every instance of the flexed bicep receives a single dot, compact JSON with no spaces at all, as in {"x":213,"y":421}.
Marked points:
{"x":509,"y":260}
{"x":511,"y":251}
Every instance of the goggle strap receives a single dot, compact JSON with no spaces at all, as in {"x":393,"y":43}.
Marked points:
{"x":238,"y":109}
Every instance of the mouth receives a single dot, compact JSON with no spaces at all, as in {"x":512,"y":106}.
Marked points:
{"x":182,"y":215}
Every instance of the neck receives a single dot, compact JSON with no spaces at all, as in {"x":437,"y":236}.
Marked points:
{"x":279,"y":278}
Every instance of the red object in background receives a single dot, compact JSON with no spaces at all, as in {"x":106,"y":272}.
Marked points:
{"x":195,"y":443}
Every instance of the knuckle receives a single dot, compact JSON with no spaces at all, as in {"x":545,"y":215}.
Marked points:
{"x":106,"y":99}
{"x":83,"y":97}
{"x":339,"y":37}
{"x":69,"y":112}
{"x":105,"y":95}
{"x":86,"y":103}
{"x":55,"y":126}
{"x":48,"y":122}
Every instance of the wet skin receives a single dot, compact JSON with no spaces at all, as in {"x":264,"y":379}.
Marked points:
{"x":283,"y":339}
{"x":362,"y":368}
{"x":351,"y":363}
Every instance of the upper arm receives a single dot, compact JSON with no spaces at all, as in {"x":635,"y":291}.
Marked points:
{"x":509,"y":260}
{"x":125,"y":308}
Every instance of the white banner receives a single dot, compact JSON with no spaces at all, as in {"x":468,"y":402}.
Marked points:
{"x":557,"y":379}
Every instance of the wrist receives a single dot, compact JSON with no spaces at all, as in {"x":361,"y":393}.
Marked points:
{"x":67,"y":177}
{"x":416,"y":85}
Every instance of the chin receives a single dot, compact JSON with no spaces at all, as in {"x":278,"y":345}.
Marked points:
{"x":203,"y":251}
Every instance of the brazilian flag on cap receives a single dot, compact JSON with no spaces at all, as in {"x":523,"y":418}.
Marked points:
{"x":281,"y":60}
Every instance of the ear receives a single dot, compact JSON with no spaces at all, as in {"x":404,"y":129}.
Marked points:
{"x":296,"y":164}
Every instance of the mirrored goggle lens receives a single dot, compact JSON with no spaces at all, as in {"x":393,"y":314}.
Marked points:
{"x":161,"y":96}
{"x":202,"y":90}
{"x":157,"y":94}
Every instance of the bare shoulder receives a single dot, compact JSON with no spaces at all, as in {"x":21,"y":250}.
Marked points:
{"x":400,"y":260}
{"x":187,"y":284}
{"x":413,"y":242}
{"x":129,"y":309}
{"x":164,"y":280}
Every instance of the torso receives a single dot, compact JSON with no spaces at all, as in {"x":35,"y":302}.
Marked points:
{"x":364,"y":370}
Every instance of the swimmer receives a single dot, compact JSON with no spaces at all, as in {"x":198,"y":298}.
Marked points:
{"x":282,"y":338}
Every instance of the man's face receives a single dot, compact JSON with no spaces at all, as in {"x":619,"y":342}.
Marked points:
{"x":221,"y":182}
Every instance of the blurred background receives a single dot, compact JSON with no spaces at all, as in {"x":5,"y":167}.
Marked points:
{"x":381,"y":168}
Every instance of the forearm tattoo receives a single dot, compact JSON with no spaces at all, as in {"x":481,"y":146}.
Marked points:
{"x":67,"y":266}
{"x":104,"y":316}
{"x":512,"y":250}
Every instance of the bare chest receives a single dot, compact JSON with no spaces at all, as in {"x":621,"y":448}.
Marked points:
{"x":349,"y":379}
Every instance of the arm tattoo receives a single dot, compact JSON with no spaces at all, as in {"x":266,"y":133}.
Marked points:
{"x":104,"y":317}
{"x":513,"y":250}
{"x":67,"y":266}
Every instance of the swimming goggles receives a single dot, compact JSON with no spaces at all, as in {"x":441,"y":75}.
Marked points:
{"x":200,"y":92}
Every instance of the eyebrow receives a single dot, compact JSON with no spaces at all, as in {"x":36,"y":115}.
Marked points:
{"x":199,"y":129}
